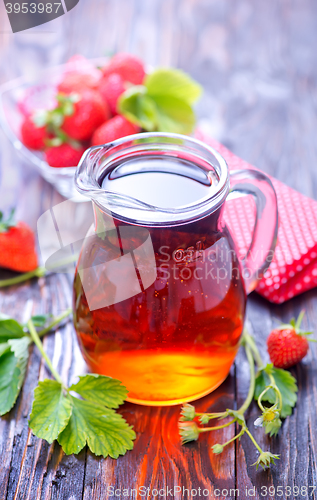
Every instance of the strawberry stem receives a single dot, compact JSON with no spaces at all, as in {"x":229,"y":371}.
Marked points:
{"x":299,"y":319}
{"x":57,"y":320}
{"x":237,"y":436}
{"x":6,"y":224}
{"x":39,"y":345}
{"x":36,"y":273}
{"x":250,"y":395}
{"x":207,"y":429}
{"x":248,"y":339}
{"x":253,"y":440}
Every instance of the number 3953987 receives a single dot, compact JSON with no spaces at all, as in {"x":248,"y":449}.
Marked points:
{"x":32,"y":8}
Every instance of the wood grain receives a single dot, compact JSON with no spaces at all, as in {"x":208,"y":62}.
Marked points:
{"x":257,"y":63}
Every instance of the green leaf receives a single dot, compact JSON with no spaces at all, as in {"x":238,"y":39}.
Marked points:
{"x":286,"y":384}
{"x":101,"y":390}
{"x":174,"y":115}
{"x":40,"y":320}
{"x":105,"y":431}
{"x":51,"y":410}
{"x":138,"y":107}
{"x":10,"y":328}
{"x":8,"y":365}
{"x":4,"y":347}
{"x":20,"y":347}
{"x":173,"y":83}
{"x":13,"y":365}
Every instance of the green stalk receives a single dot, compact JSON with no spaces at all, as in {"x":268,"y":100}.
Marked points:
{"x":299,"y":319}
{"x":249,"y":398}
{"x":261,"y":396}
{"x":212,"y":415}
{"x":57,"y":320}
{"x":36,"y":273}
{"x":234,"y":437}
{"x":206,"y":429}
{"x":276,"y":390}
{"x":39,"y":345}
{"x":253,"y":440}
{"x":250,"y":341}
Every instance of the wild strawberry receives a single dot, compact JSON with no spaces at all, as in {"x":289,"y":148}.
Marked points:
{"x":287,"y":345}
{"x":129,"y":67}
{"x":33,"y":136}
{"x":17,"y":246}
{"x":89,"y":112}
{"x":111,"y":87}
{"x":113,"y":129}
{"x":64,"y":155}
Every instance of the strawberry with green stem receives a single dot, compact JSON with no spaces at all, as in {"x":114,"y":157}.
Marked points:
{"x":17,"y":245}
{"x":288,"y":344}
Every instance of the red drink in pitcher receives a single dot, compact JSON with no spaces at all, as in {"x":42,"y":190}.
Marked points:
{"x":159,"y":294}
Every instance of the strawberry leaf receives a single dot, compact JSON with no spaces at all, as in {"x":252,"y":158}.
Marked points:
{"x":40,"y":320}
{"x":51,"y":410}
{"x":10,"y":328}
{"x":101,"y":390}
{"x":164,"y":103}
{"x":284,"y":381}
{"x":173,"y":83}
{"x":105,"y":431}
{"x":13,"y":363}
{"x":4,"y":347}
{"x":138,"y":107}
{"x":174,"y":115}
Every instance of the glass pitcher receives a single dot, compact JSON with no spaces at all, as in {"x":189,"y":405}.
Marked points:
{"x":159,"y":291}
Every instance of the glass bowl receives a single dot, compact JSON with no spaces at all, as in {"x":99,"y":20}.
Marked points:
{"x":16,"y":97}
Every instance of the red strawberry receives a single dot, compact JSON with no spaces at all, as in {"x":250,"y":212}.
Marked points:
{"x":32,"y":136}
{"x":111,"y":87}
{"x":76,"y":82}
{"x":113,"y":129}
{"x":129,"y":67}
{"x":17,"y":246}
{"x":90,"y":111}
{"x":63,"y":156}
{"x":287,"y":345}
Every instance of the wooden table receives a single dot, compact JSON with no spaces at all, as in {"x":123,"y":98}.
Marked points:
{"x":257,"y":62}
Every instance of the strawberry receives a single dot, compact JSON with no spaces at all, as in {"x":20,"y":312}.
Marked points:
{"x":17,"y":246}
{"x":111,"y":87}
{"x":76,"y":82}
{"x":287,"y":345}
{"x":89,"y":112}
{"x":113,"y":129}
{"x":64,"y":155}
{"x":33,"y":136}
{"x":129,"y":67}
{"x":80,"y":64}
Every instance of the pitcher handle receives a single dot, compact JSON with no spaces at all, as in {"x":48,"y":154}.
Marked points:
{"x":261,"y":250}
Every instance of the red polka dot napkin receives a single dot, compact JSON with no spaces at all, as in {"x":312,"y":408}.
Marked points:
{"x":294,"y":267}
